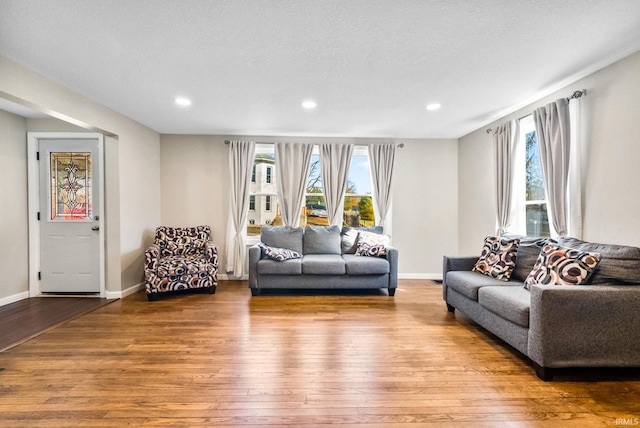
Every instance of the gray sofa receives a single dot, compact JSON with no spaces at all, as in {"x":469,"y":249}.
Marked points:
{"x":328,"y":261}
{"x":556,"y":326}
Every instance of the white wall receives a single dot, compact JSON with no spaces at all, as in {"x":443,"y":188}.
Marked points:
{"x":132,"y":152}
{"x":14,"y":251}
{"x":611,"y":172}
{"x":195,"y":183}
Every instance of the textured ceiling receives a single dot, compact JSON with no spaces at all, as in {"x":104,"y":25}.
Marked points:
{"x":371,"y":65}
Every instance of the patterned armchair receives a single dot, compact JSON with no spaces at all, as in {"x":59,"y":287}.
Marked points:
{"x":181,"y":259}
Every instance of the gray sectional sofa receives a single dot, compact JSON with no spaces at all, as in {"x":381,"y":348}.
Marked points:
{"x":328,"y":261}
{"x":557,"y":326}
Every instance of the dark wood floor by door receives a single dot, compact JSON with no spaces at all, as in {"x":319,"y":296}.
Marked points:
{"x":28,"y":318}
{"x":353,"y":359}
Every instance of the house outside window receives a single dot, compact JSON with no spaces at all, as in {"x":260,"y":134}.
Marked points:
{"x":262,"y":190}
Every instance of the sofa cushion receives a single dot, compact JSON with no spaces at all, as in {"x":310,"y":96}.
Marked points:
{"x":510,"y":302}
{"x":282,"y":237}
{"x":356,"y":265}
{"x":528,"y":252}
{"x":372,"y":244}
{"x":557,"y":265}
{"x":272,"y":267}
{"x":323,"y":264}
{"x":321,"y":240}
{"x":498,"y":257}
{"x":279,"y":254}
{"x":467,"y":282}
{"x":619,"y":264}
{"x":349,"y":237}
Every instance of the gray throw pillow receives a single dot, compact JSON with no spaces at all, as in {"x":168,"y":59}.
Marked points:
{"x":528,"y":252}
{"x":322,"y":240}
{"x":282,"y":237}
{"x":619,"y":264}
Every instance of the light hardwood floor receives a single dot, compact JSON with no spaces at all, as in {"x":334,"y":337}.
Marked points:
{"x":349,"y":359}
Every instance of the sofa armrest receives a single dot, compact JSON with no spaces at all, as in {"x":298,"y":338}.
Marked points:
{"x":211,"y":253}
{"x":255,"y":253}
{"x":151,"y":256}
{"x":392,"y":258}
{"x":455,"y":263}
{"x":584,"y":326}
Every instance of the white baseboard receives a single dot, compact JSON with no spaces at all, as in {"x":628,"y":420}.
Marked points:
{"x":227,"y":277}
{"x":125,"y":293}
{"x":430,"y":276}
{"x":14,"y":298}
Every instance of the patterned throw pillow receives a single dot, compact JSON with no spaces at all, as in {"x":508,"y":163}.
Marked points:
{"x":372,"y":244}
{"x":279,"y":254}
{"x":558,"y":265}
{"x":498,"y":257}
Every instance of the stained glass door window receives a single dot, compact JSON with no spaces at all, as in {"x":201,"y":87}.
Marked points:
{"x":71,"y":186}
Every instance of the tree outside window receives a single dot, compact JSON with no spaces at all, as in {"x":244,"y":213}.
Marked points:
{"x":537,"y":219}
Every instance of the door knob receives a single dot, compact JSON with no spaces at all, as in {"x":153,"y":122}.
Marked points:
{"x":95,"y":228}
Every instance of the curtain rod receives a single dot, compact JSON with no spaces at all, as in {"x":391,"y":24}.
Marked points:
{"x":401,"y":145}
{"x":575,"y":95}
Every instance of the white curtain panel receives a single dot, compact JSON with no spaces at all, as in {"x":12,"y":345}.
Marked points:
{"x":505,"y":138}
{"x":574,"y":196}
{"x":241,"y":156}
{"x":335,"y":160}
{"x":553,"y":133}
{"x":381,"y":160}
{"x":292,"y":168}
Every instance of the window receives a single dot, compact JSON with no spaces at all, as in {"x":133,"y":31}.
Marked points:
{"x":358,"y":203}
{"x":262,"y":190}
{"x":263,"y":199}
{"x":531,"y":203}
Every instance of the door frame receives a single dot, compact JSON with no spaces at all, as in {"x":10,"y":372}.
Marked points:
{"x":33,"y":189}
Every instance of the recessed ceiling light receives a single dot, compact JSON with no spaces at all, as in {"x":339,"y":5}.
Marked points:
{"x":182,"y":101}
{"x":434,"y":106}
{"x":309,"y":104}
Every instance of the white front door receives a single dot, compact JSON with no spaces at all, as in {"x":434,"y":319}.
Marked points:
{"x":69,"y":215}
